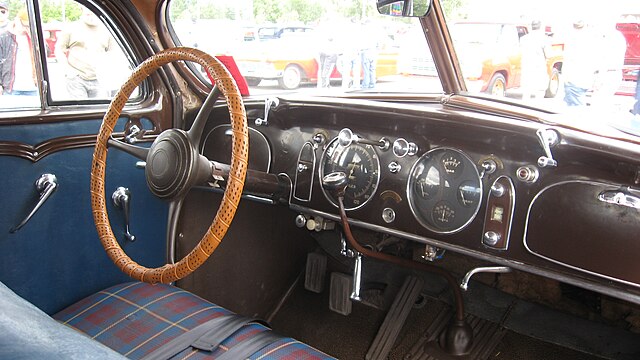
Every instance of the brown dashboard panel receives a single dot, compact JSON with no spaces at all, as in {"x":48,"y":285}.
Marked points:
{"x":587,"y":226}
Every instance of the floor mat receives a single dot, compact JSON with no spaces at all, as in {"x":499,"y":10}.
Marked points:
{"x":306,"y":316}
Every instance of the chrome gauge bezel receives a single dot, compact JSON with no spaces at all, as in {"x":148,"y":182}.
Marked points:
{"x":375,"y":184}
{"x":411,"y":199}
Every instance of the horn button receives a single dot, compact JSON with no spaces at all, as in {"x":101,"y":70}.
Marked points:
{"x":170,"y":164}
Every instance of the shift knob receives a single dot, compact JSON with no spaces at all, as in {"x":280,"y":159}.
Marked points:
{"x":335,"y":183}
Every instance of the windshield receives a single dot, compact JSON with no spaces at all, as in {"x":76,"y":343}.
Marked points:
{"x":559,"y":56}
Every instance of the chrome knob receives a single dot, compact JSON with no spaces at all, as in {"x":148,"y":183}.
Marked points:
{"x":491,"y":238}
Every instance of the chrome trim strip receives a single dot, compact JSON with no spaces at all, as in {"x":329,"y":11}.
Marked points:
{"x":313,"y":172}
{"x":589,"y":285}
{"x":526,"y":229}
{"x":512,"y":192}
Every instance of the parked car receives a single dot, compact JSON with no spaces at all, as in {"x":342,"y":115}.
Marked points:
{"x":420,"y":219}
{"x":631,"y":32}
{"x":292,"y":61}
{"x":491,"y":56}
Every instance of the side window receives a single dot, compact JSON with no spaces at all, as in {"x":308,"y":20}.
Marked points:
{"x":84,"y":61}
{"x":18,"y":70}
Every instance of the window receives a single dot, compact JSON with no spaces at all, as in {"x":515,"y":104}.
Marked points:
{"x":78,"y":59}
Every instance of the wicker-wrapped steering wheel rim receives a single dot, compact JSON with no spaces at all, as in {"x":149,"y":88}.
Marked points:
{"x":235,"y":183}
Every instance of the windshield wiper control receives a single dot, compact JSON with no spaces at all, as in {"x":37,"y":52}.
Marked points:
{"x":269,"y":104}
{"x":548,"y":138}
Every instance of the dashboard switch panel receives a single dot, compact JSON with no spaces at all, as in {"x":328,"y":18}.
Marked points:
{"x":497,"y":221}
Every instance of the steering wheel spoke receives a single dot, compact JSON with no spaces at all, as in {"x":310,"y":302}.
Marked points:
{"x":195,"y":132}
{"x":137,"y":151}
{"x":174,"y":166}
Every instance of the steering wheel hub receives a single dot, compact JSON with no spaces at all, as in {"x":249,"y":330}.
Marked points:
{"x":170,"y":164}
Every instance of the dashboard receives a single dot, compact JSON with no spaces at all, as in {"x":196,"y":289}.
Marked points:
{"x":545,"y":199}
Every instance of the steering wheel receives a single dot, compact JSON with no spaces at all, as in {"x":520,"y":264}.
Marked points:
{"x":174,"y":165}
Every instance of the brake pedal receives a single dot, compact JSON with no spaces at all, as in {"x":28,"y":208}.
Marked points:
{"x":340,"y":293}
{"x":315,"y":272}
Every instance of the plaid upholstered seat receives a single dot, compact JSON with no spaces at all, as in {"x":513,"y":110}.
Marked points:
{"x":136,"y":318}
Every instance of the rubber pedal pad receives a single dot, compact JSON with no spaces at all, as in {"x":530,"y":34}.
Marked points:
{"x":340,"y":293}
{"x":315,"y":272}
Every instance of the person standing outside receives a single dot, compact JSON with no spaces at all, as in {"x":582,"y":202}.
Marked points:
{"x":82,"y":47}
{"x":609,"y":75}
{"x":24,"y":71}
{"x":579,"y":67}
{"x":7,"y":50}
{"x":327,"y":58}
{"x":534,"y":76}
{"x":369,"y":55}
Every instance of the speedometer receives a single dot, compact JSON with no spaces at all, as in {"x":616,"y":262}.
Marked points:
{"x":444,"y":190}
{"x":361,"y":165}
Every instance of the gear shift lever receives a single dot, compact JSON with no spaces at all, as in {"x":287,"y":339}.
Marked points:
{"x":457,"y":338}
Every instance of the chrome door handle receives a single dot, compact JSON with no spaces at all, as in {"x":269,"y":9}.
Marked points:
{"x":121,"y":198}
{"x":621,"y":198}
{"x":46,"y":185}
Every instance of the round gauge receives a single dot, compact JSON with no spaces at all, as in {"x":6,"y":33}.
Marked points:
{"x":443,"y":214}
{"x":469,"y":194}
{"x":444,"y":190}
{"x":361,"y":165}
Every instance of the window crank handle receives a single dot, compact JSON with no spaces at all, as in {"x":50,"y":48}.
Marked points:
{"x":121,"y":199}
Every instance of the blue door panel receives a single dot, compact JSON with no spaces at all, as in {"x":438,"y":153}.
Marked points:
{"x":56,"y":258}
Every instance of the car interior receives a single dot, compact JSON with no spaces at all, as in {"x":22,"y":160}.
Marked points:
{"x":186,"y":213}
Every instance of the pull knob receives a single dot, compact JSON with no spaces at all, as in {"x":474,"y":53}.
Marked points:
{"x":121,"y":199}
{"x":46,"y":185}
{"x":335,"y":182}
{"x":346,"y":137}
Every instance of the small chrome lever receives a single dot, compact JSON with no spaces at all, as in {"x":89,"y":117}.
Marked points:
{"x":121,"y":199}
{"x":548,"y":138}
{"x":357,"y":278}
{"x":621,"y":198}
{"x":134,"y":132}
{"x":269,"y":104}
{"x":464,"y":284}
{"x":46,"y":185}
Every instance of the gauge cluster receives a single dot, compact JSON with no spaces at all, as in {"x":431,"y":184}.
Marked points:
{"x":443,"y":186}
{"x":444,"y":190}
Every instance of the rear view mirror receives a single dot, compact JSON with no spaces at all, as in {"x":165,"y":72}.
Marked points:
{"x":405,"y":8}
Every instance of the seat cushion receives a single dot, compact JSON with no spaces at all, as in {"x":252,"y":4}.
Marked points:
{"x":28,"y":333}
{"x":136,"y":318}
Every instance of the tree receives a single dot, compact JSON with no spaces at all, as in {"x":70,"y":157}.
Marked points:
{"x":267,"y":10}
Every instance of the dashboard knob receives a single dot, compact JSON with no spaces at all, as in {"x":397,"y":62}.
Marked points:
{"x":497,"y":189}
{"x":311,"y":224}
{"x":528,"y":174}
{"x":402,"y":148}
{"x":301,"y":221}
{"x":491,"y":238}
{"x":394,"y":167}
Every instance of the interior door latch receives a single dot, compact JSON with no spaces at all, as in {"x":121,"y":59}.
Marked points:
{"x":46,"y":185}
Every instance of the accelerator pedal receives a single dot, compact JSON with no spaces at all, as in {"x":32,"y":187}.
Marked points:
{"x":395,"y":319}
{"x":340,"y":293}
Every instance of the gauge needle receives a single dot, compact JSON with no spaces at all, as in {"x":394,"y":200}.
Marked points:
{"x":464,"y":201}
{"x":422,"y":189}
